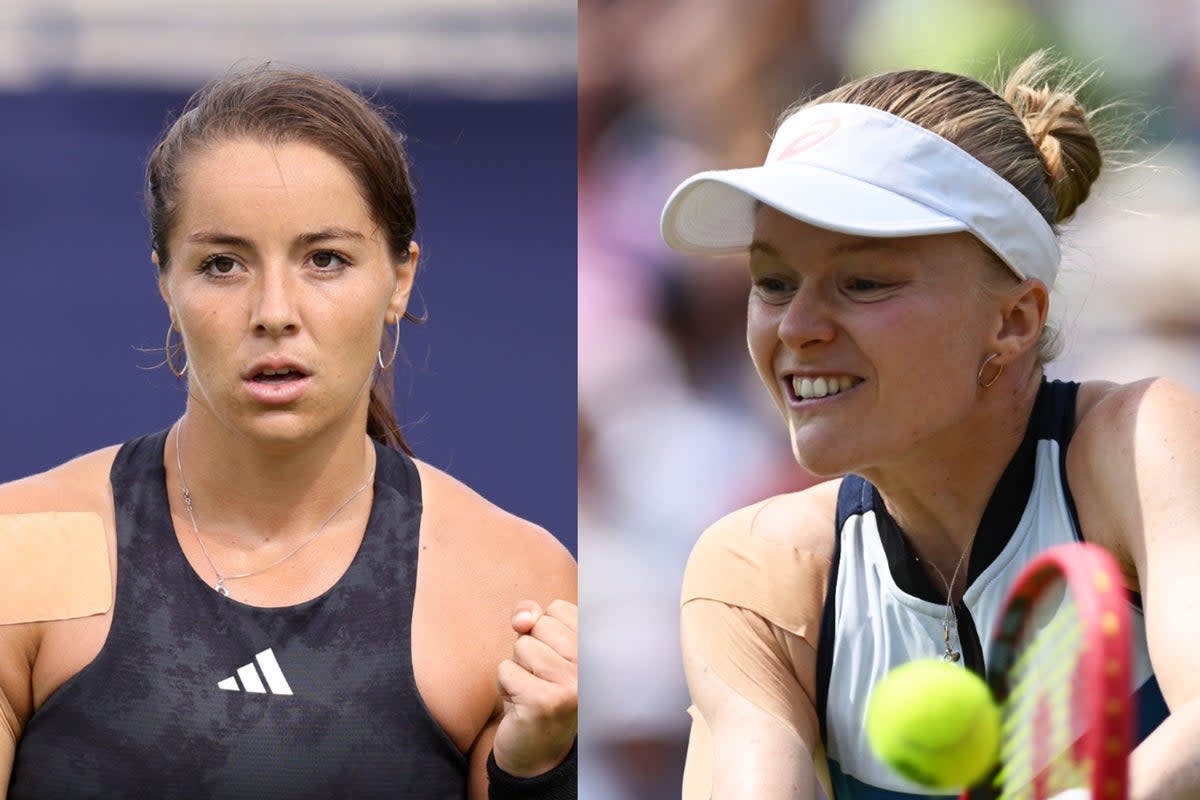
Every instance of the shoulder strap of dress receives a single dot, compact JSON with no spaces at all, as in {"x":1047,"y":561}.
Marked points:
{"x":855,"y":496}
{"x":398,"y":471}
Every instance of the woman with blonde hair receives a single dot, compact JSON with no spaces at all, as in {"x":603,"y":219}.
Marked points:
{"x":902,"y":239}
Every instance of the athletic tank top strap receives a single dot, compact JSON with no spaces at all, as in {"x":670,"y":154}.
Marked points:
{"x":197,"y":695}
{"x":855,"y":497}
{"x":1055,"y":417}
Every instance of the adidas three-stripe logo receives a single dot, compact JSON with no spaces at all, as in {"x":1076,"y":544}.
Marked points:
{"x":251,"y":682}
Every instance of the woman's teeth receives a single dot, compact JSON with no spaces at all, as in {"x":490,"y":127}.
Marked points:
{"x":276,"y":375}
{"x":809,"y":388}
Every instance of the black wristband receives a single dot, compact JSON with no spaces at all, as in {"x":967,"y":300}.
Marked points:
{"x":560,"y":783}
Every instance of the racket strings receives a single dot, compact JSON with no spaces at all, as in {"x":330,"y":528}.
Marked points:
{"x":1037,"y":721}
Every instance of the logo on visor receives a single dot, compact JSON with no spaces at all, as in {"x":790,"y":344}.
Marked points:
{"x":814,"y":133}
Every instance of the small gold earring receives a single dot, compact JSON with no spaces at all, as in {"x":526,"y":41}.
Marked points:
{"x":996,"y":377}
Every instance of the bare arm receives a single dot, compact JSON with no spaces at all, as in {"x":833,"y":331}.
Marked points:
{"x":1142,"y":472}
{"x":537,"y":680}
{"x":1166,"y":549}
{"x":477,"y":784}
{"x":534,"y":730}
{"x":498,"y":681}
{"x":8,"y":748}
{"x":14,"y":672}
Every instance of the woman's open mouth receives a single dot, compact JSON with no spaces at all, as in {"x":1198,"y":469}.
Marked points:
{"x":810,"y":387}
{"x":277,"y":375}
{"x":277,"y":384}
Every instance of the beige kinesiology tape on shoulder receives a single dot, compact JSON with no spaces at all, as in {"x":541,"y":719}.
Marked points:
{"x":53,"y":565}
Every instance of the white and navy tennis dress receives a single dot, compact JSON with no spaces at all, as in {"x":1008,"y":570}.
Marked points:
{"x":881,"y":610}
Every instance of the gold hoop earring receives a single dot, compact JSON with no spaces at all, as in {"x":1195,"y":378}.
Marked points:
{"x":395,"y":349}
{"x":178,"y":373}
{"x":996,"y":377}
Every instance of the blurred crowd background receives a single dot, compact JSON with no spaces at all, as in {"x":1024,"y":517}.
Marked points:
{"x":675,"y":429}
{"x":484,"y":91}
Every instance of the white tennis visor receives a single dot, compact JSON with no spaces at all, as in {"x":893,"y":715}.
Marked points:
{"x":858,"y":170}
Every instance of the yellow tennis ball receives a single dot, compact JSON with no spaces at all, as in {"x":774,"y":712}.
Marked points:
{"x":935,"y":723}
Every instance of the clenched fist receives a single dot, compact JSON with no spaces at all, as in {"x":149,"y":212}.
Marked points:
{"x":540,"y":689}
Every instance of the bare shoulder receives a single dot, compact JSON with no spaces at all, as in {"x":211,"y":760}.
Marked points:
{"x":510,"y":555}
{"x":1111,"y":418}
{"x":1130,"y":441}
{"x":80,"y":484}
{"x":1107,"y":411}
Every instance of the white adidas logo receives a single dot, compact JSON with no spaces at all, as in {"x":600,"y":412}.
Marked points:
{"x":250,"y":680}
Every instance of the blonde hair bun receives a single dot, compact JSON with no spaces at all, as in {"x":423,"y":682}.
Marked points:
{"x":1060,"y":128}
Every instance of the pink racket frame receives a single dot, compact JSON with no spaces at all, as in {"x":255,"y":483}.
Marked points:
{"x":1102,"y":682}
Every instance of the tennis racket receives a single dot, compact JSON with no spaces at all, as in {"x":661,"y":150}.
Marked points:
{"x":1059,"y":668}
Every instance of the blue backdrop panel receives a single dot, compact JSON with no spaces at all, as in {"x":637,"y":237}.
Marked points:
{"x":490,"y":394}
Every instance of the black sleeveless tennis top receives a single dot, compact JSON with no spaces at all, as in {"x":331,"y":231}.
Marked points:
{"x":195,"y":695}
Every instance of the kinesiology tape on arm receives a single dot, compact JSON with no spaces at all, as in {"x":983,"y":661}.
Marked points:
{"x":755,"y":659}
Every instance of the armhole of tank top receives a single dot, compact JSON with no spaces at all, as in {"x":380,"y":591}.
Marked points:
{"x":1065,"y":407}
{"x":403,"y":463}
{"x":1061,"y":427}
{"x":853,"y":497}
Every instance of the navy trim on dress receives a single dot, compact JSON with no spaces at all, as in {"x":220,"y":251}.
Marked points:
{"x":855,"y":497}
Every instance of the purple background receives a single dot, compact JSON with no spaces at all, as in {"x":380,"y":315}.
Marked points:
{"x":491,"y":392}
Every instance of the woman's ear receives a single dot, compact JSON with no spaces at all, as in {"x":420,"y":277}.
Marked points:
{"x":405,"y":272}
{"x":1022,"y":317}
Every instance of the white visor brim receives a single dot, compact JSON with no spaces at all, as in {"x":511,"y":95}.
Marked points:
{"x":712,"y":213}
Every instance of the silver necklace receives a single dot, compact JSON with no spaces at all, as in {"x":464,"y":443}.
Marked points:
{"x":222,"y":578}
{"x":950,"y":655}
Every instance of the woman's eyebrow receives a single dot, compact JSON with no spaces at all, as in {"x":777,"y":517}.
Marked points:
{"x":232,"y":240}
{"x":330,"y":233}
{"x":759,"y":246}
{"x":219,"y":238}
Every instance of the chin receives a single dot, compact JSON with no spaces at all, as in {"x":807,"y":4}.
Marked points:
{"x":284,"y":424}
{"x":277,"y":427}
{"x":821,"y":456}
{"x":822,"y":468}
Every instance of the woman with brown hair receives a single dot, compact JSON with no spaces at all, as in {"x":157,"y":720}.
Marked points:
{"x":274,"y":598}
{"x":902,"y":242}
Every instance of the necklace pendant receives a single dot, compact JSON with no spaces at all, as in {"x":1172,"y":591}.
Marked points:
{"x":220,"y":587}
{"x":948,"y":656}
